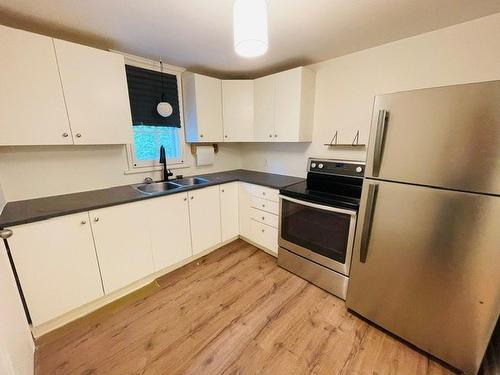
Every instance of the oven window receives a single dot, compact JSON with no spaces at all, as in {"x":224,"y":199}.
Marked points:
{"x":323,"y":232}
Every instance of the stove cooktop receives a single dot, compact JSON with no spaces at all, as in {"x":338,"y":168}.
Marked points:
{"x":336,"y":183}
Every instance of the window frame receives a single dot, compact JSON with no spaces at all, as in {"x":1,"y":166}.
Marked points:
{"x":141,"y":166}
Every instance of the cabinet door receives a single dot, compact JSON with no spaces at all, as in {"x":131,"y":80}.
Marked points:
{"x":287,"y":105}
{"x":203,"y":108}
{"x":244,"y":208}
{"x":32,"y":109}
{"x":229,"y":211}
{"x":56,"y":264}
{"x":264,"y":95}
{"x":123,"y":244}
{"x":204,"y":214}
{"x":237,"y":106}
{"x":170,"y":229}
{"x":96,"y":93}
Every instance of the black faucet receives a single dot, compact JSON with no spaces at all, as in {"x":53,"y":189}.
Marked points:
{"x":163,"y":160}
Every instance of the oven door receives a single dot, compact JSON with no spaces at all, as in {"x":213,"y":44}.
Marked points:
{"x":321,"y":233}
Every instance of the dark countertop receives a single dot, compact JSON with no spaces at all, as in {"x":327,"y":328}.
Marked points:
{"x":31,"y":210}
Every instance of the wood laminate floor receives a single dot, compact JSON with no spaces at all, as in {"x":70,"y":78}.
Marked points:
{"x":232,"y":312}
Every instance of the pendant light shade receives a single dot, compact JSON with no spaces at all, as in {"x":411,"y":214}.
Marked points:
{"x":250,"y":27}
{"x":163,"y":108}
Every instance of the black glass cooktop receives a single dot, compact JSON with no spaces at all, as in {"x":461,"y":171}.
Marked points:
{"x":335,"y":184}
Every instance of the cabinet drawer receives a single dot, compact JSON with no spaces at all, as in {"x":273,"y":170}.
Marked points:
{"x":264,"y":217}
{"x":265,"y":205}
{"x":264,"y":193}
{"x":265,"y":236}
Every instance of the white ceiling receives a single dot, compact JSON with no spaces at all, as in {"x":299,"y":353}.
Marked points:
{"x":197,"y":34}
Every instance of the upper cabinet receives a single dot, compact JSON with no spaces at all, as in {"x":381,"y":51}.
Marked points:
{"x":275,"y":108}
{"x":264,"y":93}
{"x":203,"y":108}
{"x":237,"y":110}
{"x":284,"y":106}
{"x":96,"y":94}
{"x":58,"y":93}
{"x":32,"y":109}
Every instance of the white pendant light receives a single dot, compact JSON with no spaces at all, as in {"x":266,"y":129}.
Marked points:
{"x":250,"y":27}
{"x":163,"y":108}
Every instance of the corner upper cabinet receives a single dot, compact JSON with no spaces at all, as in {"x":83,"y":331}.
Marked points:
{"x":238,"y":109}
{"x":32,"y":108}
{"x":96,"y":94}
{"x":202,"y":108}
{"x":284,"y":106}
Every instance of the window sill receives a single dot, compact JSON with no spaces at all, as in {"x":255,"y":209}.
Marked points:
{"x":137,"y":170}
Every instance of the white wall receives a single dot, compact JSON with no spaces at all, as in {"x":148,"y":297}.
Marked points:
{"x":2,"y":199}
{"x":345,"y":86}
{"x":36,"y":171}
{"x":16,"y":343}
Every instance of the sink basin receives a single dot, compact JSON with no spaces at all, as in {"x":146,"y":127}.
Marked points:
{"x":157,"y":187}
{"x":190,"y":181}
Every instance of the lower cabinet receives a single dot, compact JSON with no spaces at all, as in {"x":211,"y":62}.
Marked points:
{"x":122,"y":242}
{"x":264,"y":235}
{"x":57,"y":266}
{"x":204,"y":214}
{"x":170,"y":229}
{"x":229,"y":211}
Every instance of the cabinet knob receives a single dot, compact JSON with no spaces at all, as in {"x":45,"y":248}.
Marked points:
{"x":192,"y":198}
{"x":223,"y":190}
{"x":270,"y":135}
{"x":263,"y":217}
{"x":263,"y":205}
{"x":276,"y":136}
{"x":225,"y":136}
{"x":185,"y":199}
{"x":263,"y":230}
{"x":96,"y":219}
{"x":83,"y":222}
{"x":201,"y":135}
{"x":78,"y":135}
{"x":263,"y":193}
{"x":5,"y":233}
{"x":65,"y":135}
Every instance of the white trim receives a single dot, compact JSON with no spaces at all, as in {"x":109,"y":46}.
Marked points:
{"x":145,"y":63}
{"x":141,"y":167}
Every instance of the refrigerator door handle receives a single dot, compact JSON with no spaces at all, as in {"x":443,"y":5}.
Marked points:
{"x":367,"y":223}
{"x":379,"y":141}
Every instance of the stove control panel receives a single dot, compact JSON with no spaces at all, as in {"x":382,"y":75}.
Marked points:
{"x":338,"y":167}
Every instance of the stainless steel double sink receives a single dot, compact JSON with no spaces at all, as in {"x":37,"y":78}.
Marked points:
{"x":160,"y":187}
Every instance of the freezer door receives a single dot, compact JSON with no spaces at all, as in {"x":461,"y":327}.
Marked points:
{"x":446,"y":137}
{"x":426,"y":266}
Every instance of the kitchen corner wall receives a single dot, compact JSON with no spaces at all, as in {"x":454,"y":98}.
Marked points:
{"x":37,"y":171}
{"x":345,"y":87}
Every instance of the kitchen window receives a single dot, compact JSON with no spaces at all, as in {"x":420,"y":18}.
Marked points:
{"x":147,"y":88}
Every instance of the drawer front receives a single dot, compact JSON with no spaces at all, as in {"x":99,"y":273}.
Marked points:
{"x":265,"y":193}
{"x":264,"y":217}
{"x":265,"y":205}
{"x":265,"y":236}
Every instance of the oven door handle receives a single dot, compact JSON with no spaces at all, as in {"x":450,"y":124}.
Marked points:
{"x":320,"y":206}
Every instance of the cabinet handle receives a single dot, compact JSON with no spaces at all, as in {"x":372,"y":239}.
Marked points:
{"x":263,"y":218}
{"x":83,"y":222}
{"x":201,"y":135}
{"x":223,"y":190}
{"x":276,"y":136}
{"x":96,"y":219}
{"x":65,"y":135}
{"x":185,"y":199}
{"x":263,"y":205}
{"x":225,"y":136}
{"x":263,"y":230}
{"x":78,"y":135}
{"x":263,"y":193}
{"x":192,"y":198}
{"x":270,"y":135}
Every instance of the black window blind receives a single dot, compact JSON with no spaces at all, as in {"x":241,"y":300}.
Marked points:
{"x":145,"y":92}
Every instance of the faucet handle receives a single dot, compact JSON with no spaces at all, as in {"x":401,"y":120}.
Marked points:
{"x":148,"y":180}
{"x":169,"y":173}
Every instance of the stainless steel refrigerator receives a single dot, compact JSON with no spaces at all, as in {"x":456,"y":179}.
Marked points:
{"x":426,"y":262}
